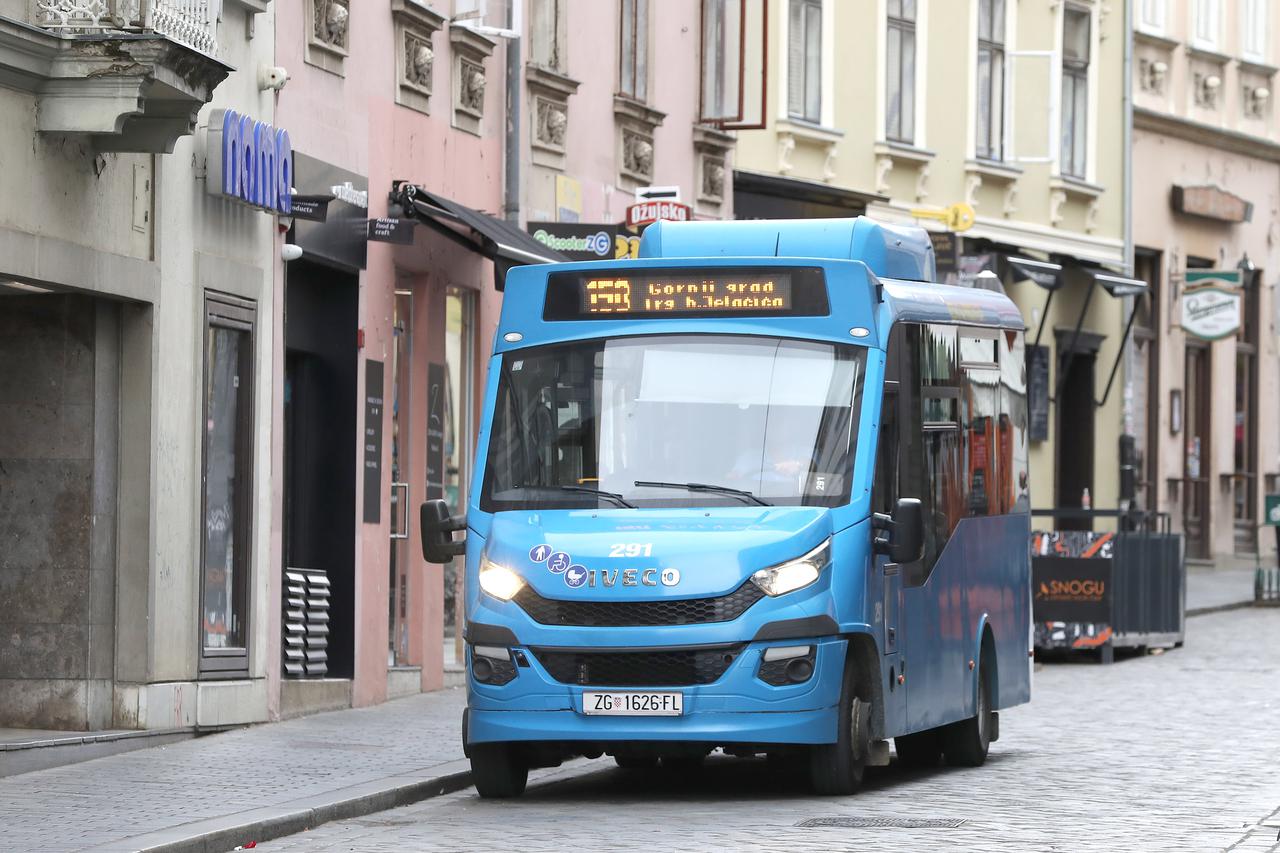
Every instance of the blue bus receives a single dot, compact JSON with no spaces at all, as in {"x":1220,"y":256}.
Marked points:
{"x":763,"y":490}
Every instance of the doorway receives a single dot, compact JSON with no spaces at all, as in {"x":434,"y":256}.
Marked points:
{"x":458,"y":408}
{"x":1195,"y":472}
{"x":1075,"y":436}
{"x":401,"y":499}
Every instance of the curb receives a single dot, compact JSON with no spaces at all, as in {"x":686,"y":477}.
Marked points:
{"x":1219,"y":608}
{"x":219,"y":834}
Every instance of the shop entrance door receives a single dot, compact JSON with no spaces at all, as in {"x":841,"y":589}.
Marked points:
{"x":458,"y":404}
{"x":1195,"y":475}
{"x":401,"y":408}
{"x":1075,"y":437}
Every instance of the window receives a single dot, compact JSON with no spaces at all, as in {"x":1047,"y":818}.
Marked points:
{"x":777,"y":422}
{"x":1254,"y":20}
{"x":633,"y":54}
{"x":991,"y":48}
{"x":722,"y":42}
{"x":547,"y":34}
{"x":1207,"y":27}
{"x":900,"y":112}
{"x":1151,"y":15}
{"x":227,"y":481}
{"x":804,"y":61}
{"x":958,"y":438}
{"x":1075,"y":90}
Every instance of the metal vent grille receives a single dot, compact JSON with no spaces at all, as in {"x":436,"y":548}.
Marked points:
{"x":884,"y":822}
{"x":676,"y":668}
{"x":306,"y":623}
{"x":599,"y":614}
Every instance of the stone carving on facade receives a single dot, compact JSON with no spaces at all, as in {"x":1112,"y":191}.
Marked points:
{"x":972,"y":183}
{"x":1152,"y":74}
{"x":1010,"y":206}
{"x":1057,"y":198}
{"x":471,"y":96}
{"x":713,"y":178}
{"x":552,"y":122}
{"x":419,"y":60}
{"x":711,"y":147}
{"x":1091,"y":216}
{"x":637,"y":155}
{"x":884,"y":165}
{"x":922,"y":182}
{"x":829,"y":163}
{"x":1207,"y":86}
{"x":786,"y":145}
{"x":330,"y":22}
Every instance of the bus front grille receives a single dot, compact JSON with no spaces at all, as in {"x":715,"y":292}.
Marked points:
{"x":644,"y":668}
{"x":619,"y":614}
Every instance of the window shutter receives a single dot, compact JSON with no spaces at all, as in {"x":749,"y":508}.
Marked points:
{"x":795,"y":59}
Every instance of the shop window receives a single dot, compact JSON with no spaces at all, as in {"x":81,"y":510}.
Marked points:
{"x":900,"y":97}
{"x":547,"y":34}
{"x":991,"y":70}
{"x":1075,"y":90}
{"x":804,"y":61}
{"x":633,"y":68}
{"x":227,"y":481}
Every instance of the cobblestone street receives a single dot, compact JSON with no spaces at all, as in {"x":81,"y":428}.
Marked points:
{"x":1177,"y":751}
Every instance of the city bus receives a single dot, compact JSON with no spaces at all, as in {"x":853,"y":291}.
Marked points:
{"x":760,"y":490}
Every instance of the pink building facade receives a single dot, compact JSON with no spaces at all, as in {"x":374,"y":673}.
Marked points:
{"x":380,"y":359}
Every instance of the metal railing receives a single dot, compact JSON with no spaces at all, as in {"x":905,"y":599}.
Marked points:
{"x":1135,"y":520}
{"x":193,"y":23}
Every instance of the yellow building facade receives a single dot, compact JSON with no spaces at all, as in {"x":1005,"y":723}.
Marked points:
{"x":1000,"y":126}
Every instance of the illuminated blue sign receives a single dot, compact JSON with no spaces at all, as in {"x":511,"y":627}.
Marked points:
{"x":250,"y":161}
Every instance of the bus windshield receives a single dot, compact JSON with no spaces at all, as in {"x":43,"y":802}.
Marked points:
{"x":674,"y":421}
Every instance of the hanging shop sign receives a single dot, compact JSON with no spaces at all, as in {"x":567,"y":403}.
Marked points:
{"x":1211,"y":304}
{"x":250,"y":161}
{"x":388,"y":230}
{"x":373,"y":409}
{"x":579,"y":241}
{"x":312,"y":208}
{"x":648,"y":212}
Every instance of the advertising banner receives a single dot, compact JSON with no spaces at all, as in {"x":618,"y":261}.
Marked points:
{"x":1211,"y":304}
{"x":579,"y":241}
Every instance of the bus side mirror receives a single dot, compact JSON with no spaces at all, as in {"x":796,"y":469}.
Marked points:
{"x":907,"y":544}
{"x":437,"y":532}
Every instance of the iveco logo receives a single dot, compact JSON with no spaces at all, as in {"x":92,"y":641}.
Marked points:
{"x":608,"y":578}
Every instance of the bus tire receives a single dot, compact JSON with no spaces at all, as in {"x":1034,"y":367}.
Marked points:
{"x":836,"y":769}
{"x":922,"y":749}
{"x":497,"y":770}
{"x":965,"y":743}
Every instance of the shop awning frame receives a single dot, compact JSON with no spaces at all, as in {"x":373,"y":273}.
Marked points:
{"x":497,"y":239}
{"x":1117,"y":286}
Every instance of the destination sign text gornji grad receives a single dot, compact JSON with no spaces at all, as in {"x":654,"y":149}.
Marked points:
{"x":710,"y":295}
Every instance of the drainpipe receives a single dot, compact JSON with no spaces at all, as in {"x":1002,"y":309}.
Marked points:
{"x":511,"y":189}
{"x":1130,"y":306}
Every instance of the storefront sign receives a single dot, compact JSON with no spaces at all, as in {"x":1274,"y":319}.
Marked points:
{"x":435,"y":430}
{"x":578,"y":241}
{"x":313,"y":208}
{"x":1212,"y":202}
{"x":647,"y":212}
{"x":373,"y":407}
{"x":250,"y":161}
{"x":341,"y":238}
{"x":1272,"y":514}
{"x":946,"y":253}
{"x":1038,"y":393}
{"x":1211,"y":304}
{"x":392,"y":231}
{"x":1071,"y":589}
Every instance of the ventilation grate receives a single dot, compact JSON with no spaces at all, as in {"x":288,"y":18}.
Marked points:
{"x":306,"y":623}
{"x":884,"y":822}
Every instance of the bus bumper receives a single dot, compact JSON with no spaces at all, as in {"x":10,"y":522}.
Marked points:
{"x":738,"y":708}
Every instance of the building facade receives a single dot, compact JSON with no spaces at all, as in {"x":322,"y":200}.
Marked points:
{"x":998,"y":126}
{"x":136,"y":321}
{"x":1206,"y":193}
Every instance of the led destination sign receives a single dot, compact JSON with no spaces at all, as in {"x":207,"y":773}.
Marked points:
{"x":686,"y":293}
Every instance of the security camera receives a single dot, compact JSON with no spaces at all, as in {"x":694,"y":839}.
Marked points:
{"x":272,"y":77}
{"x":290,"y":252}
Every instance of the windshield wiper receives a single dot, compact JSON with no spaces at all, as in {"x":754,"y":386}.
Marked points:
{"x":705,"y":487}
{"x":612,"y":496}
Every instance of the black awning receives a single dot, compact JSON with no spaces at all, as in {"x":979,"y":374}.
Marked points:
{"x":1119,"y":285}
{"x":1043,"y":273}
{"x":494,"y":238}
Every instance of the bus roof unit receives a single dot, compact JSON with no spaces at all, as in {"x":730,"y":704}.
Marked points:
{"x":889,"y":251}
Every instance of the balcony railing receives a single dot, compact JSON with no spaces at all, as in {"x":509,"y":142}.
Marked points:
{"x":193,"y":23}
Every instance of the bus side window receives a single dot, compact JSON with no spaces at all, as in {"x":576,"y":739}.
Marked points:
{"x":884,"y":491}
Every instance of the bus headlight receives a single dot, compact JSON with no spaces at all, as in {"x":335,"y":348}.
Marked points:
{"x":793,"y":574}
{"x":499,"y":581}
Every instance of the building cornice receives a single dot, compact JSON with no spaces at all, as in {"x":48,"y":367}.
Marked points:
{"x":1206,"y":134}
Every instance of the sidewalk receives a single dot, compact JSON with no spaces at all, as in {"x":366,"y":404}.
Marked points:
{"x":215,"y":792}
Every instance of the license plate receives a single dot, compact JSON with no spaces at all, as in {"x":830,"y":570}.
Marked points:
{"x":633,"y":704}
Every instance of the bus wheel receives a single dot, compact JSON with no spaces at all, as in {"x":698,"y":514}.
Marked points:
{"x":922,"y":749}
{"x":497,"y":771}
{"x":966,"y":742}
{"x":836,"y":769}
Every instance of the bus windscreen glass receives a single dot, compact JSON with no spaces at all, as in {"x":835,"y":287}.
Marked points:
{"x":722,"y":292}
